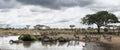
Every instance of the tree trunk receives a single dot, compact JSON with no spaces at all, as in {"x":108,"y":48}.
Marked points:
{"x":98,"y":30}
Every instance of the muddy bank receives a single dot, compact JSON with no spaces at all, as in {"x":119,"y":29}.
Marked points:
{"x":109,"y":46}
{"x":101,"y":46}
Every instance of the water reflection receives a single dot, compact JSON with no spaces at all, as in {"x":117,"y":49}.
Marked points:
{"x":14,"y":43}
{"x":73,"y":43}
{"x":27,"y":43}
{"x":70,"y":43}
{"x":62,"y":43}
{"x":48,"y":43}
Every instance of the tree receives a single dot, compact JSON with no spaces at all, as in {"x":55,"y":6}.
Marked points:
{"x":47,"y":27}
{"x":105,"y":30}
{"x":27,"y":26}
{"x":100,"y":18}
{"x":71,"y":26}
{"x":7,"y":26}
{"x":38,"y":26}
{"x":90,"y":28}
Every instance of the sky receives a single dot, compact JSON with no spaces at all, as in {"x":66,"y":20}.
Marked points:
{"x":53,"y":13}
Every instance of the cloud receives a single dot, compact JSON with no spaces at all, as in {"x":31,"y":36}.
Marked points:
{"x":57,"y":4}
{"x":62,"y":21}
{"x":7,"y":4}
{"x":54,"y":13}
{"x":109,"y":5}
{"x":52,"y":18}
{"x":39,"y":9}
{"x":5,"y":10}
{"x":94,"y":5}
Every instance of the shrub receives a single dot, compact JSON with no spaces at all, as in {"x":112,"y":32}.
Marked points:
{"x":105,"y":30}
{"x":27,"y":37}
{"x":61,"y":39}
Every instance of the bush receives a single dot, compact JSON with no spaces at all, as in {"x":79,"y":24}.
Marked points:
{"x":27,"y":37}
{"x":105,"y":30}
{"x":61,"y":39}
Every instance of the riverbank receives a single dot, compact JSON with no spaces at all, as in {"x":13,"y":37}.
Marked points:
{"x":109,"y":45}
{"x":113,"y":45}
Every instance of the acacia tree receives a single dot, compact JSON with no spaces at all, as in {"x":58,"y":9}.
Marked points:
{"x":38,"y":26}
{"x":100,"y":18}
{"x":71,"y":26}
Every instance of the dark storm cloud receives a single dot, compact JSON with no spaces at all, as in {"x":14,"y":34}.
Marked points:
{"x":57,"y":4}
{"x":7,"y":4}
{"x":4,"y":6}
{"x":37,"y":10}
{"x":109,"y":8}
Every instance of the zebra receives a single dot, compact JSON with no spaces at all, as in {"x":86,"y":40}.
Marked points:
{"x":76,"y":36}
{"x":109,"y":38}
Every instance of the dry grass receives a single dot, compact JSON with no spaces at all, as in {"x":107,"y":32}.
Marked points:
{"x":63,"y":33}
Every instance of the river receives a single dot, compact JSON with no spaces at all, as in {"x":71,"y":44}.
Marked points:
{"x":38,"y":45}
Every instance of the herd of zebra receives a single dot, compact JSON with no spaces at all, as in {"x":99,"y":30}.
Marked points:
{"x":87,"y":37}
{"x":97,"y":37}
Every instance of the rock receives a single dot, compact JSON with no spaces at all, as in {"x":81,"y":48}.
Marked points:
{"x":15,"y":41}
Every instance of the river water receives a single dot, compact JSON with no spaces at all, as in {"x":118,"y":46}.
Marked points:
{"x":38,"y":45}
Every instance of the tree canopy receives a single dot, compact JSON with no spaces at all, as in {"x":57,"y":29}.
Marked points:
{"x":71,"y":26}
{"x":100,"y":18}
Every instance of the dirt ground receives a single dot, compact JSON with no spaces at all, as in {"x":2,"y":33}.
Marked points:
{"x":114,"y":44}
